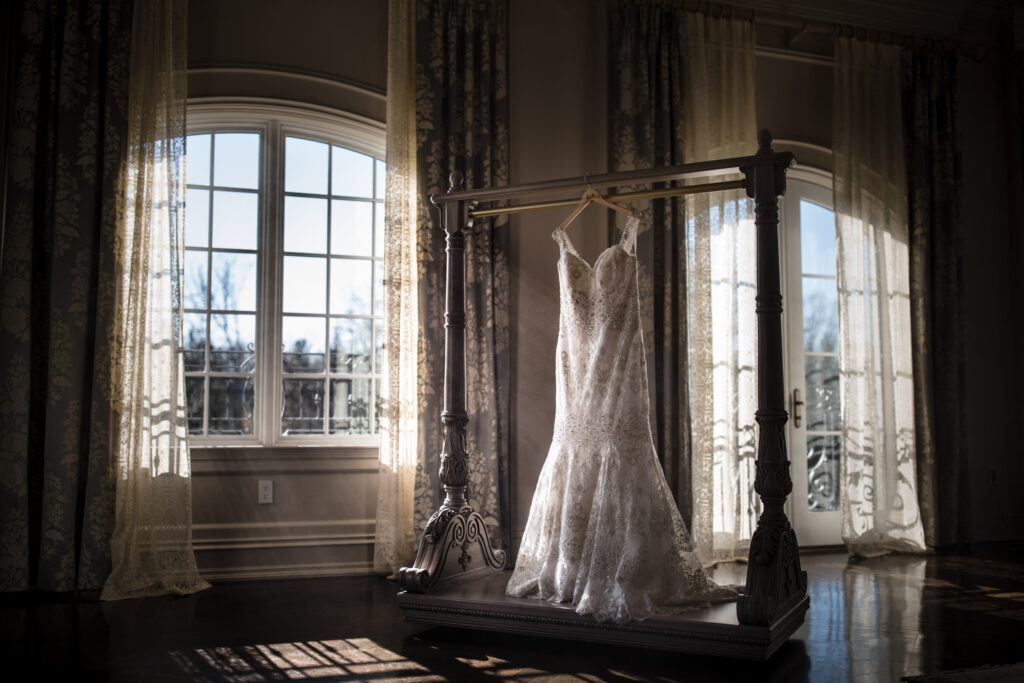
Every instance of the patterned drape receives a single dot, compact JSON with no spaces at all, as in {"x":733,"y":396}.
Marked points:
{"x":58,"y":290}
{"x":462,"y":124}
{"x":646,"y":130}
{"x":719,"y":120}
{"x":151,"y":545}
{"x":878,"y":496}
{"x":936,"y":286}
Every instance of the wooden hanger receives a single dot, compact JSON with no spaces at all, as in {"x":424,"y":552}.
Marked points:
{"x":592,"y":196}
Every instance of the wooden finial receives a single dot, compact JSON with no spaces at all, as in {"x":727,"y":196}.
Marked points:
{"x":455,"y":181}
{"x":764,"y":140}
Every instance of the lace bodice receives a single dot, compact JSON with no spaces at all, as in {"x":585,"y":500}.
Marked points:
{"x":603,"y":531}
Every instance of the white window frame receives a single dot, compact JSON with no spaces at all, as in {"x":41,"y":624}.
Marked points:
{"x":275,"y":121}
{"x":818,"y":528}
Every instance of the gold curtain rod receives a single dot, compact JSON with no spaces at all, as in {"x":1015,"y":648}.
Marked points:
{"x":615,"y":198}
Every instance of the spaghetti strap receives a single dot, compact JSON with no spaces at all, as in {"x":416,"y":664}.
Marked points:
{"x":628,"y":240}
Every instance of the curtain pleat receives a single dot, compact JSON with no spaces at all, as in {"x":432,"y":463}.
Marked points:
{"x":68,"y":119}
{"x":936,"y":286}
{"x":462,"y":125}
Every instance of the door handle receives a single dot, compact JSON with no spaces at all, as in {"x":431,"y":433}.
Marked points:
{"x":797,"y":403}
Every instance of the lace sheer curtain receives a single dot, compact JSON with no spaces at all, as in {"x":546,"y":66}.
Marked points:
{"x":395,"y":538}
{"x":151,"y":546}
{"x":721,"y":274}
{"x":878,"y":499}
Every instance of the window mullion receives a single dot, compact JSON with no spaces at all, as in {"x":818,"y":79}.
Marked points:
{"x":270,"y":326}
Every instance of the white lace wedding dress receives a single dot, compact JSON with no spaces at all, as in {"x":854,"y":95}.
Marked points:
{"x":604,"y":532}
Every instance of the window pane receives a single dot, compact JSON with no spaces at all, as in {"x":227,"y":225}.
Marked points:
{"x":234,"y":219}
{"x":381,"y":172}
{"x":351,"y":173}
{"x":350,"y":406}
{"x":305,"y":284}
{"x":197,"y":218}
{"x":821,"y":315}
{"x":303,"y":407}
{"x":350,"y":287}
{"x":233,"y":286}
{"x":305,"y":166}
{"x":823,"y":473}
{"x":231,"y":402}
{"x":378,"y":231}
{"x":232,"y":342}
{"x":194,"y":342}
{"x":351,"y":227}
{"x":195,"y":279}
{"x":194,"y":400}
{"x":817,"y":239}
{"x":236,"y":161}
{"x":822,"y":382}
{"x":350,"y":345}
{"x":302,"y":340}
{"x":197,"y":159}
{"x":305,"y":225}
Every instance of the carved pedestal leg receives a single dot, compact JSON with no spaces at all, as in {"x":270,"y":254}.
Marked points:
{"x":455,"y":526}
{"x":775,"y":581}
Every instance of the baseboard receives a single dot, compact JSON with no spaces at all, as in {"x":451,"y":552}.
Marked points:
{"x":285,"y":571}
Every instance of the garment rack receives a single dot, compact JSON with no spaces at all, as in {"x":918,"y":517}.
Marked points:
{"x":447,"y":585}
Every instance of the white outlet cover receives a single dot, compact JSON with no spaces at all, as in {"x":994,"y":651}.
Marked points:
{"x":265,"y":493}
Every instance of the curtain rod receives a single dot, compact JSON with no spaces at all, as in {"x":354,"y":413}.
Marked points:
{"x":700,"y":169}
{"x":754,"y":13}
{"x":615,"y":198}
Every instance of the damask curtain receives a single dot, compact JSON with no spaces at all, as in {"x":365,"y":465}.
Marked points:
{"x":151,"y":546}
{"x":646,"y":130}
{"x":67,"y":122}
{"x":395,"y":538}
{"x":719,"y":121}
{"x":878,"y":495}
{"x":461,"y":124}
{"x":936,"y":286}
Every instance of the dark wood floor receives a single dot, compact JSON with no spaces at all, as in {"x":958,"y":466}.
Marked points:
{"x":876,"y":619}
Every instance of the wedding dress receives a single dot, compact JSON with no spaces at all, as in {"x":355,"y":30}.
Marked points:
{"x":604,"y":532}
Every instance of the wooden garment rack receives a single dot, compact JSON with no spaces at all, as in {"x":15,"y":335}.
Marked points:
{"x":449,"y":585}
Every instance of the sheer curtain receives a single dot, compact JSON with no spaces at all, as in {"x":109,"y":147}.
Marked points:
{"x":151,"y":546}
{"x":878,"y":499}
{"x":719,"y":117}
{"x":395,"y":538}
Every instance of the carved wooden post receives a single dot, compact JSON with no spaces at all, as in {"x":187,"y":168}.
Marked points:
{"x":455,"y":523}
{"x":775,"y":581}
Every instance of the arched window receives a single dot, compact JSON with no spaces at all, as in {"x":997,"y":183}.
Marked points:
{"x":283,"y":269}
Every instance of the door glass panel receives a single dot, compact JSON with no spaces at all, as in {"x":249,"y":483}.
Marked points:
{"x":822,"y":381}
{"x":823,"y":473}
{"x":821,"y":317}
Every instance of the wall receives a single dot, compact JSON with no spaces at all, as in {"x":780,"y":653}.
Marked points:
{"x":324,"y":54}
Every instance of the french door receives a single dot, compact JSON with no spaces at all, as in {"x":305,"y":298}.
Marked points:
{"x":812,"y":345}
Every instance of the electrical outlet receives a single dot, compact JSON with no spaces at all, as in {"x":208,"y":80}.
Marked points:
{"x":266,"y":491}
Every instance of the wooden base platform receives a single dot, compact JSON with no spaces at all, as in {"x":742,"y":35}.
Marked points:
{"x":481,"y":603}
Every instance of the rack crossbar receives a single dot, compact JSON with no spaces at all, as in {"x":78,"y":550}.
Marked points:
{"x":700,"y":169}
{"x":614,"y":198}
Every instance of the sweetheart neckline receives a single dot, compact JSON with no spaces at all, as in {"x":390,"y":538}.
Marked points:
{"x":618,"y":245}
